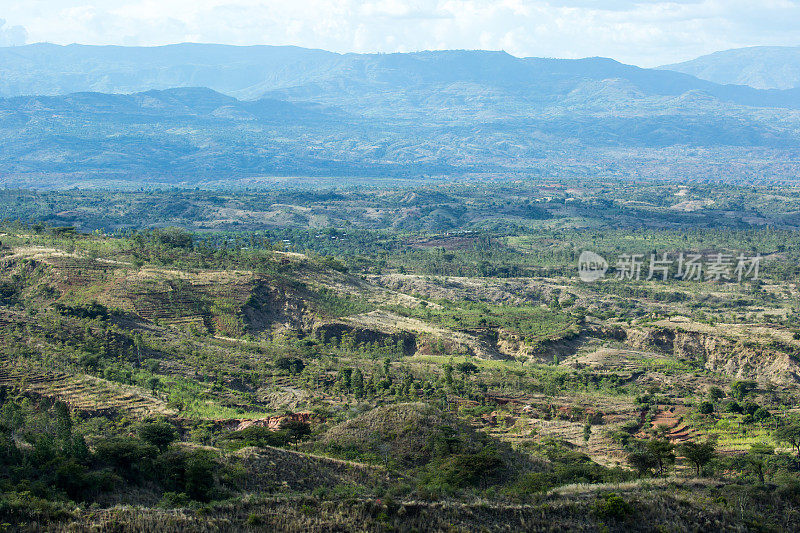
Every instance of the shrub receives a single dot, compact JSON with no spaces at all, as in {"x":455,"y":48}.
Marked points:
{"x":698,"y":453}
{"x":173,"y":237}
{"x":199,"y":475}
{"x":533,"y":482}
{"x":8,"y":292}
{"x":715,"y":394}
{"x":159,"y":434}
{"x":92,"y":310}
{"x":292,"y":365}
{"x":613,"y":506}
{"x":131,"y":457}
{"x":191,"y":472}
{"x":296,"y":430}
{"x":740,"y":389}
{"x":467,"y":368}
{"x":467,"y":469}
{"x":259,"y":437}
{"x":732,"y":406}
{"x":706,"y":408}
{"x":71,"y":477}
{"x":174,"y":499}
{"x":761,"y":414}
{"x":750,"y":408}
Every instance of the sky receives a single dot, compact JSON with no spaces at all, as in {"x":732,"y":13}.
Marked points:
{"x":641,"y":33}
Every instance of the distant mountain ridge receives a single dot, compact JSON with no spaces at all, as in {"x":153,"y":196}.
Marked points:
{"x":297,"y":73}
{"x":185,"y":113}
{"x":48,"y":69}
{"x":196,"y":135}
{"x":761,"y":67}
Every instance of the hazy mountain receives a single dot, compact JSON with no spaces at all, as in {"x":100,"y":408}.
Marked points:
{"x":459,"y":80}
{"x":47,"y":69}
{"x":762,"y":67}
{"x":291,"y":111}
{"x":196,"y":134}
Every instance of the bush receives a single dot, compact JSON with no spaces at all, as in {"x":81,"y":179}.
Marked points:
{"x":192,"y":473}
{"x":159,"y":434}
{"x":467,"y":368}
{"x":259,"y":437}
{"x":199,"y":475}
{"x":71,"y":477}
{"x":466,"y":469}
{"x":612,"y":505}
{"x":533,"y":482}
{"x":740,"y":389}
{"x":761,"y":414}
{"x":296,"y":430}
{"x":732,"y":406}
{"x":706,"y":408}
{"x":292,"y":365}
{"x":174,"y":499}
{"x":8,"y":293}
{"x":131,"y":457}
{"x":92,"y":310}
{"x":173,"y":238}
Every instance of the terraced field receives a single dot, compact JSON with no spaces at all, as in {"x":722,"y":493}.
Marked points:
{"x":83,"y":393}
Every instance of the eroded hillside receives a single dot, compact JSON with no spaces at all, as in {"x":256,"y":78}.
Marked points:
{"x":289,"y":373}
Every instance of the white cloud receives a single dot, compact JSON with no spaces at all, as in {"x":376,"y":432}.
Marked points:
{"x":12,"y":35}
{"x":641,"y":32}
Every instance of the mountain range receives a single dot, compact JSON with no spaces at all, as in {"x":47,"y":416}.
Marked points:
{"x":761,"y":67}
{"x":195,"y":112}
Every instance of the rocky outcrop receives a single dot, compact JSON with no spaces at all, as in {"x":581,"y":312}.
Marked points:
{"x":271,"y":306}
{"x":736,"y":357}
{"x":270,"y":422}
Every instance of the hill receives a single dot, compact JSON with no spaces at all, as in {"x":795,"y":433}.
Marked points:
{"x":761,"y":67}
{"x":218,"y":380}
{"x":590,"y":128}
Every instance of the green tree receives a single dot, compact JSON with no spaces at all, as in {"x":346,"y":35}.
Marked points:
{"x":757,"y":458}
{"x":698,"y":453}
{"x":663,"y":452}
{"x":467,"y":368}
{"x":63,"y":422}
{"x":293,"y":365}
{"x":641,"y":460}
{"x":448,"y":373}
{"x":358,"y":383}
{"x":651,"y":455}
{"x":740,"y":389}
{"x":345,"y":379}
{"x":153,"y":384}
{"x":732,"y":406}
{"x":761,"y":414}
{"x":789,"y":433}
{"x":296,"y":430}
{"x":160,"y":434}
{"x":706,"y":408}
{"x":715,"y":394}
{"x":199,"y":471}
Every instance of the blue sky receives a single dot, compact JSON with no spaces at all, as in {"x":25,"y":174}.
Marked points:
{"x":642,"y":33}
